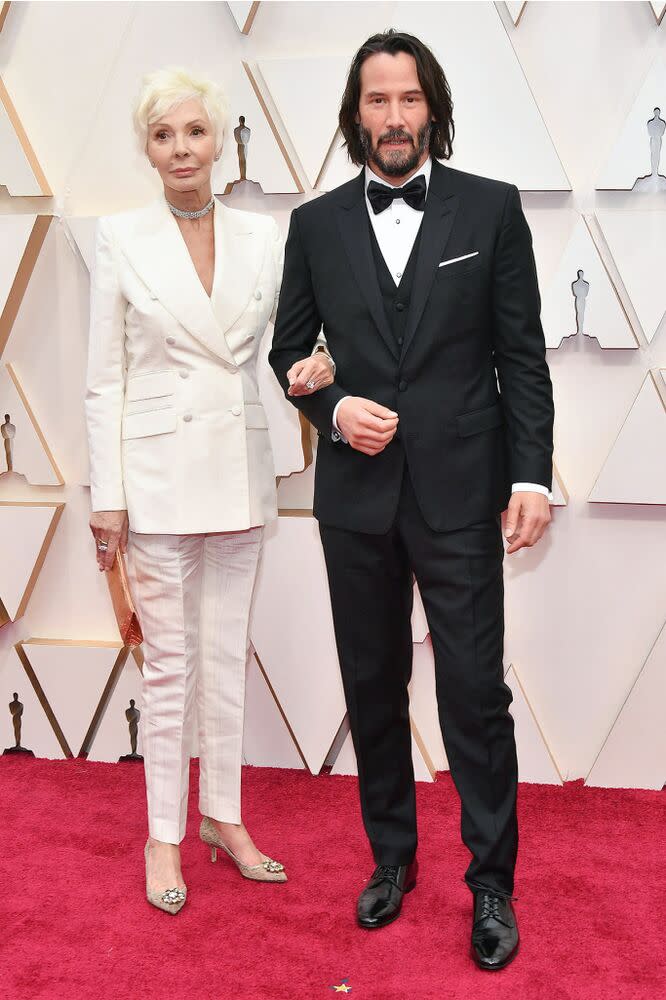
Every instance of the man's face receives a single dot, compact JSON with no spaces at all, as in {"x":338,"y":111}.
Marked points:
{"x":393,"y":114}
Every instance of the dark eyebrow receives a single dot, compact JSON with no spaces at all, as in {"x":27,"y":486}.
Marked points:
{"x":381,"y":93}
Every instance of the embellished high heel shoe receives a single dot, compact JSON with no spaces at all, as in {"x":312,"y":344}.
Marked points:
{"x":171,"y":900}
{"x":266,"y":871}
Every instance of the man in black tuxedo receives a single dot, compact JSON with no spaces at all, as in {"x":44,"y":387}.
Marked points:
{"x":440,"y":418}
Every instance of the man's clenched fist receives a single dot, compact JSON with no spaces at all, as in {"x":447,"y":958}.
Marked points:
{"x":367,"y":426}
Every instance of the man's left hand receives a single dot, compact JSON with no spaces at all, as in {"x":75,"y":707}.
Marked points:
{"x":525,"y":520}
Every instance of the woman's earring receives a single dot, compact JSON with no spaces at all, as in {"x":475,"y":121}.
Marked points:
{"x":152,"y":163}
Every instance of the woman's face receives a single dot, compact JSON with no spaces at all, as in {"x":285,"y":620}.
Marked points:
{"x":181,"y":144}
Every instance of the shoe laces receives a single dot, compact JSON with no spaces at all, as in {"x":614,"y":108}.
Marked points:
{"x":490,"y":908}
{"x":389,"y":872}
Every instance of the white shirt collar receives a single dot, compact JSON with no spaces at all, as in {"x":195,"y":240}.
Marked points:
{"x":425,"y":170}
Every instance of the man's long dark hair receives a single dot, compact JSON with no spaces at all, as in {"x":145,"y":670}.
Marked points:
{"x":433,"y":82}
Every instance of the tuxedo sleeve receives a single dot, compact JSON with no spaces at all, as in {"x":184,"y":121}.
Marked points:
{"x":520,"y":350}
{"x":297,"y":327}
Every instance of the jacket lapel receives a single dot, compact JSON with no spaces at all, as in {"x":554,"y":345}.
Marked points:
{"x":156,"y":250}
{"x":438,"y":218}
{"x":354,"y":228}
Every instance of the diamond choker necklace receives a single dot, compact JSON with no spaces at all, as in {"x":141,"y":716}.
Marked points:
{"x":192,"y":215}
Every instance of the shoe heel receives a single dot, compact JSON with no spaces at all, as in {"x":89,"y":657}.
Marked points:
{"x":213,"y":853}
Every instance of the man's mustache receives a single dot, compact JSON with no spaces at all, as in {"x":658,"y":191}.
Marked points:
{"x":393,"y":136}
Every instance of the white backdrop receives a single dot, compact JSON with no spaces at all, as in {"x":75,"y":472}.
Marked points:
{"x":544,"y":105}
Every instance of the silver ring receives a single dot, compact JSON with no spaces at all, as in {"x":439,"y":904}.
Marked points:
{"x":102,"y":546}
{"x":311,"y":384}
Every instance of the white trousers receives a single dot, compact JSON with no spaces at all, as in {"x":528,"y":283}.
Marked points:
{"x":193,"y":595}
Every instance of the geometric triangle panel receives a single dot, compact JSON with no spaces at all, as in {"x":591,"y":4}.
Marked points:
{"x":20,"y":172}
{"x":516,"y":8}
{"x":291,"y":630}
{"x":26,"y":530}
{"x":21,"y":238}
{"x":637,"y":242}
{"x":22,"y":717}
{"x":536,"y":763}
{"x":306,"y":92}
{"x":637,"y":160}
{"x":499,"y":129}
{"x":580,"y":299}
{"x":73,"y":676}
{"x":113,"y":737}
{"x":634,"y":752}
{"x":635,"y":469}
{"x":253,"y":151}
{"x":24,"y":450}
{"x":244,"y":13}
{"x":267,"y":741}
{"x":659,"y":9}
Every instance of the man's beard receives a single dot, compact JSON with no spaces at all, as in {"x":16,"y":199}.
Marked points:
{"x":397,"y":162}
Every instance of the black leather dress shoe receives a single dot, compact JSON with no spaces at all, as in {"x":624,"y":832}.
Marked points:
{"x":494,"y":931}
{"x":381,"y":900}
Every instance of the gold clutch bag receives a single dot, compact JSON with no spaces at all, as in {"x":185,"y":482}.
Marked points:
{"x":123,"y":605}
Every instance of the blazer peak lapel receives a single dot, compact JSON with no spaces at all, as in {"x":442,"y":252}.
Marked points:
{"x":354,"y":228}
{"x":438,"y":218}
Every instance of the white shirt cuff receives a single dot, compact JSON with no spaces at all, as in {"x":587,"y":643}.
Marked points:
{"x":336,"y":433}
{"x":532,"y":488}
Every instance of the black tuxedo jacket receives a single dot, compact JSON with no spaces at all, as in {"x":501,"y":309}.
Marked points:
{"x":470,"y":382}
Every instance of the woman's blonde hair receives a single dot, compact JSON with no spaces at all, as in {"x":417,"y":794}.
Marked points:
{"x":166,"y":88}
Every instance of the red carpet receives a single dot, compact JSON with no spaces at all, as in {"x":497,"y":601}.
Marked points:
{"x":75,"y":923}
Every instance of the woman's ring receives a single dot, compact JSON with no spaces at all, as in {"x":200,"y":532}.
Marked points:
{"x":310,"y":384}
{"x":102,"y":546}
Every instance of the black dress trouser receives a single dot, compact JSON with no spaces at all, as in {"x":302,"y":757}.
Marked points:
{"x":460,"y":578}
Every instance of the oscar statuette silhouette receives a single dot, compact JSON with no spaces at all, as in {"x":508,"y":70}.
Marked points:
{"x":16,"y":711}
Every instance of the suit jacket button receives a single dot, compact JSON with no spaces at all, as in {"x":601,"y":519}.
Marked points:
{"x":402,"y":386}
{"x":257,"y":295}
{"x":236,"y":410}
{"x":184,"y":373}
{"x":187,"y":417}
{"x":171,"y":341}
{"x":400,"y":306}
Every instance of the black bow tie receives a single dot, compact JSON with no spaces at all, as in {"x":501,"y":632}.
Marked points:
{"x":380,"y":196}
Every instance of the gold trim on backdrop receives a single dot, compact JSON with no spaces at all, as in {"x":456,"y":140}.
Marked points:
{"x":23,"y":275}
{"x":98,"y":644}
{"x":41,"y":556}
{"x":597,"y":247}
{"x":25,"y":142}
{"x":105,"y":697}
{"x":536,"y":721}
{"x":274,"y":130}
{"x":4,"y":10}
{"x":281,"y":710}
{"x":249,"y":21}
{"x":655,"y":375}
{"x":628,"y":696}
{"x":560,"y":483}
{"x":28,"y":409}
{"x":43,"y":700}
{"x":4,"y":616}
{"x":418,"y":739}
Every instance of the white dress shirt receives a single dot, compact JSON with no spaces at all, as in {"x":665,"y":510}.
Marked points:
{"x":396,"y":229}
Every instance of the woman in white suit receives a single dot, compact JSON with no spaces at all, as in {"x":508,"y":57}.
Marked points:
{"x":181,"y":468}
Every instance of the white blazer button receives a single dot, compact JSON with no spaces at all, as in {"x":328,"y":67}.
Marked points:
{"x":257,"y":295}
{"x":187,"y":417}
{"x":171,"y":341}
{"x":236,"y":410}
{"x":184,"y":373}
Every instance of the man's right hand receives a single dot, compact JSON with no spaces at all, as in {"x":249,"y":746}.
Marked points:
{"x":367,"y":426}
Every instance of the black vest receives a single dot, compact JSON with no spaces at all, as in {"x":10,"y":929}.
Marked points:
{"x":396,"y":298}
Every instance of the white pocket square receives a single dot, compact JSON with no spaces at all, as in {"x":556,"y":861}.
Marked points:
{"x":452,"y":260}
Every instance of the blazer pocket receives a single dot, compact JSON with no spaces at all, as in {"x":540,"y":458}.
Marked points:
{"x":152,"y":385}
{"x":479,"y":420}
{"x":148,"y":423}
{"x":459,"y":266}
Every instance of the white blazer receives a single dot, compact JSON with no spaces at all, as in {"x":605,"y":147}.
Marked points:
{"x":176,"y":429}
